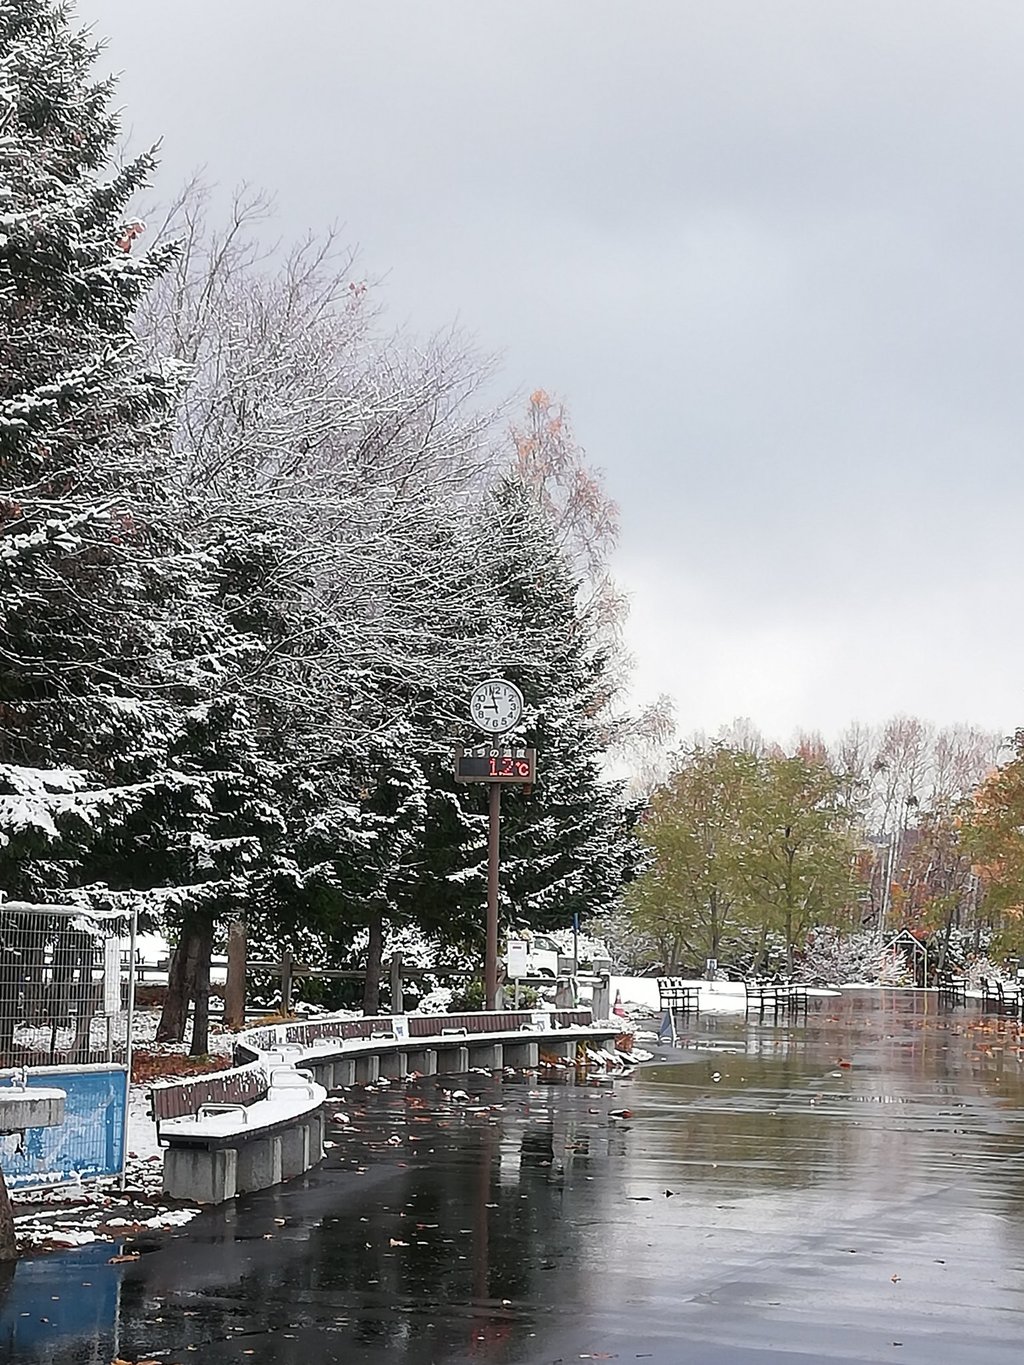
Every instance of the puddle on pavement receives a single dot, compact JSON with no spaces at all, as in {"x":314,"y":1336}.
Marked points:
{"x":845,"y":1188}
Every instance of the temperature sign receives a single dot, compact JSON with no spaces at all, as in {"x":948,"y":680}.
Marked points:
{"x":491,"y":763}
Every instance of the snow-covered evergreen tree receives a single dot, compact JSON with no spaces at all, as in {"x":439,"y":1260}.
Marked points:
{"x":81,"y":442}
{"x":566,"y":846}
{"x":569,"y":848}
{"x":130,"y":767}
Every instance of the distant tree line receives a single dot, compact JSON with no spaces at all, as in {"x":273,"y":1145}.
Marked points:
{"x":755,"y":854}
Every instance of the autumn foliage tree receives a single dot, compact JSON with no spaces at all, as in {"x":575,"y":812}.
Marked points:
{"x":993,"y":834}
{"x":938,"y":890}
{"x":694,"y":835}
{"x":745,"y":844}
{"x":799,"y":865}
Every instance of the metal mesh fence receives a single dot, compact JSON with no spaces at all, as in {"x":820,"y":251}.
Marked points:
{"x":61,"y":984}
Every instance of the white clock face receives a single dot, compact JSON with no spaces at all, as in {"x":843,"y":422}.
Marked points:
{"x":496,"y":706}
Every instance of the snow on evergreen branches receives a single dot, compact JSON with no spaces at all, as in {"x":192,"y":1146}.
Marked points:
{"x":249,"y":568}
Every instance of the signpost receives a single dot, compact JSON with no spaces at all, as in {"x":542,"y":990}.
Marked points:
{"x":517,"y":963}
{"x":491,"y":763}
{"x":517,"y":957}
{"x":496,"y":707}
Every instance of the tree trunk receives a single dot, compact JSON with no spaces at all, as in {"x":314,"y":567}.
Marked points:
{"x":201,"y":991}
{"x":374,"y":956}
{"x":761,"y":956}
{"x":180,"y":984}
{"x":397,"y":991}
{"x":234,"y":991}
{"x":944,"y":945}
{"x":84,"y":999}
{"x":8,"y":1244}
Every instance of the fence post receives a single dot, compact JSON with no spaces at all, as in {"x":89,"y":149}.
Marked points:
{"x":286,"y":983}
{"x":565,"y":993}
{"x":397,"y":985}
{"x":129,"y":1041}
{"x":234,"y":989}
{"x":602,"y":1000}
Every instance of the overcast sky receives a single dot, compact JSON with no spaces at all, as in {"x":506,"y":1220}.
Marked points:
{"x":769,"y":252}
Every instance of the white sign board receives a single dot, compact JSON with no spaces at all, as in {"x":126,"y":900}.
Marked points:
{"x":112,"y":976}
{"x":516,"y":956}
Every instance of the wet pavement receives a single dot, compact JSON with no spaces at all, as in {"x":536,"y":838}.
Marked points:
{"x":845,"y":1188}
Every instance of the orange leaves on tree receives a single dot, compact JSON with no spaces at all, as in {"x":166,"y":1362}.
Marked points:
{"x":128,"y":235}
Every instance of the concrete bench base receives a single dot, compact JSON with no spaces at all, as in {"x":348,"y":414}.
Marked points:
{"x":323,"y":1073}
{"x":344,"y":1074}
{"x":259,"y":1164}
{"x":487,"y":1055}
{"x":231,"y":1149}
{"x":367,"y":1069}
{"x":214,"y":1176}
{"x":31,"y":1107}
{"x":204,"y":1177}
{"x":564,"y":1051}
{"x":522,"y":1054}
{"x":423,"y":1061}
{"x":394,"y":1065}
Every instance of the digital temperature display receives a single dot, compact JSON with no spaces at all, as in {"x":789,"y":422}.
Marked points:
{"x":487,"y":763}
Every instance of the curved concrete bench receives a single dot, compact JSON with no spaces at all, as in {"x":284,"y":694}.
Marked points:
{"x":339,"y":1062}
{"x":259,"y":1123}
{"x":226,"y":1149}
{"x":394,"y":1046}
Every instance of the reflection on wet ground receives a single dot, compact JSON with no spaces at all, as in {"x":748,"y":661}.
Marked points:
{"x":846,"y":1189}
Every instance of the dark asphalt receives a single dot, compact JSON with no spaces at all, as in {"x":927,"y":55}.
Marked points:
{"x":846,"y":1189}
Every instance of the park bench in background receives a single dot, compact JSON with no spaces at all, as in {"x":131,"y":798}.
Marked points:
{"x":775,"y":998}
{"x":952,"y":989}
{"x":677,"y":995}
{"x":999,"y":999}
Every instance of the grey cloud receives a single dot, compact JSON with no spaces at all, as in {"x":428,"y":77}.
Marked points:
{"x":769,"y":253}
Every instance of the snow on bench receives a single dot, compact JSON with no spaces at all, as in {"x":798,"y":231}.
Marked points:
{"x":292,"y":1094}
{"x":226,"y":1149}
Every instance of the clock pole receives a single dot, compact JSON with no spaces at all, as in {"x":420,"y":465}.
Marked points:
{"x":496,"y":705}
{"x":493,"y":863}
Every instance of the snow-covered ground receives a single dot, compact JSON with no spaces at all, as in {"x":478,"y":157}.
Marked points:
{"x":639,"y":994}
{"x":140,"y":1139}
{"x":99,"y":1212}
{"x":73,"y":1215}
{"x":37,"y":1037}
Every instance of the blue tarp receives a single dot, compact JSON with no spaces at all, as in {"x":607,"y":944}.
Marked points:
{"x":90,"y":1141}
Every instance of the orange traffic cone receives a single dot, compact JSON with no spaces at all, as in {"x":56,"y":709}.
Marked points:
{"x":618,"y":1008}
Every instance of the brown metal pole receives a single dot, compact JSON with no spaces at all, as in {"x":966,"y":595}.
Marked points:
{"x":493,"y":862}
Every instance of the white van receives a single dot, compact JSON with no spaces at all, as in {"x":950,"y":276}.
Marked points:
{"x":542,"y":956}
